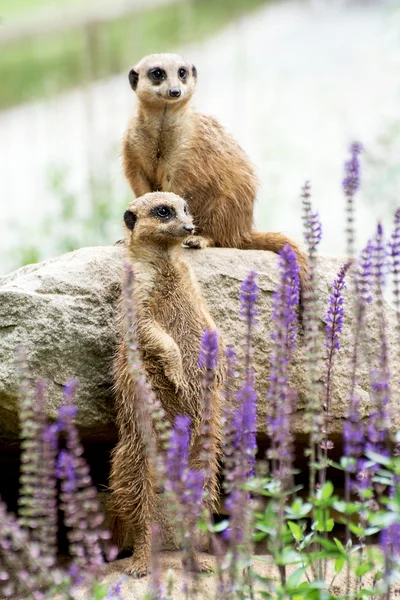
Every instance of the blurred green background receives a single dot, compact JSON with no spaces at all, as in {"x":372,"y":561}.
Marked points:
{"x":295,"y":81}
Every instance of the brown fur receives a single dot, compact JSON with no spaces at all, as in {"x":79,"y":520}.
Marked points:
{"x":171,"y":319}
{"x":169,"y":146}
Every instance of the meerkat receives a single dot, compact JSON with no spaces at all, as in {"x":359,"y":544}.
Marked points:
{"x":171,"y":319}
{"x":170,"y":147}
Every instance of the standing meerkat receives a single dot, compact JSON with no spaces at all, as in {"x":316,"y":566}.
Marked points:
{"x":170,"y":147}
{"x":171,"y":319}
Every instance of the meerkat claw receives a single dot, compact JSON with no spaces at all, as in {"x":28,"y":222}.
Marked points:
{"x":194,"y":242}
{"x":137,"y":570}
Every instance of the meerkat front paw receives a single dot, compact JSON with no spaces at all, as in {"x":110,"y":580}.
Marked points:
{"x":138,"y":567}
{"x":174,"y":372}
{"x":173,"y":366}
{"x":196,"y":242}
{"x":199,"y":565}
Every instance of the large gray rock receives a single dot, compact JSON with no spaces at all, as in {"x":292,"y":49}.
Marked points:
{"x":63,"y":312}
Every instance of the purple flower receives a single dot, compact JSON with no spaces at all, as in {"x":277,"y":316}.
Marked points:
{"x":248,"y":298}
{"x":351,"y":181}
{"x":208,"y":358}
{"x":380,"y":266}
{"x":380,"y":375}
{"x":389,"y":541}
{"x":231,"y":441}
{"x":334,"y":324}
{"x":83,"y":515}
{"x":351,"y":184}
{"x":353,"y":433}
{"x":244,"y":421}
{"x":284,"y":315}
{"x":150,"y":415}
{"x":363,"y":275}
{"x":240,"y":435}
{"x":334,"y":318}
{"x":353,"y":430}
{"x":185,"y":483}
{"x":311,"y":222}
{"x":286,"y":299}
{"x":157,"y":588}
{"x":70,"y":389}
{"x":177,"y":459}
{"x":184,"y":487}
{"x":394,"y":249}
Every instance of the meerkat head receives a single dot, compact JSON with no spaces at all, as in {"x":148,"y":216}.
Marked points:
{"x":163,"y":79}
{"x":158,"y":218}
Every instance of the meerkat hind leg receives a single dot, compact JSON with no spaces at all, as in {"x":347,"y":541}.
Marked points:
{"x":197,"y":564}
{"x":138,"y":565}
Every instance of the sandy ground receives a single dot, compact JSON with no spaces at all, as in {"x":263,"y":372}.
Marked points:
{"x":206,"y":586}
{"x":295,"y":82}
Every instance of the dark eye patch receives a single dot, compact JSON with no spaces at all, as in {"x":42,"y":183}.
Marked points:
{"x":163,"y":212}
{"x":157,"y":75}
{"x":182,"y":73}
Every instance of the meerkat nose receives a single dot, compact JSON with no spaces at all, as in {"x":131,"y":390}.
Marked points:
{"x":188,"y":228}
{"x":174,"y":93}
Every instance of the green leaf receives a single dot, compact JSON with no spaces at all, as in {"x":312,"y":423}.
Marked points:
{"x":296,"y":531}
{"x":203,"y":526}
{"x":356,"y":529}
{"x":339,"y":564}
{"x":298,"y":509}
{"x":364,"y":568}
{"x":326,"y":491}
{"x":371,"y":530}
{"x":383,"y":519}
{"x":295,"y":578}
{"x":221,"y":526}
{"x":329,"y":546}
{"x":329,"y":524}
{"x":340,"y":546}
{"x":346,"y":508}
{"x":346,"y":462}
{"x":378,"y":458}
{"x":307,"y":540}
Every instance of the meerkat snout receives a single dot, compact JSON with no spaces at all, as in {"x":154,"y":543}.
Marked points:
{"x":174,"y":93}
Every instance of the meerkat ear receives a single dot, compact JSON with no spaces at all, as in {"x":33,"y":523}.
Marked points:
{"x":133,"y":78}
{"x":194,"y":71}
{"x":130,"y":219}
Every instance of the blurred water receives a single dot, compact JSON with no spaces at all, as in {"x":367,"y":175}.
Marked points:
{"x":295,"y":83}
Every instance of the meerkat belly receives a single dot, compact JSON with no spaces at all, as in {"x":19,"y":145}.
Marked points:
{"x":180,"y":317}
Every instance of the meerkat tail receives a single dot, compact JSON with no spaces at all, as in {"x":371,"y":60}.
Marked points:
{"x":274,"y":242}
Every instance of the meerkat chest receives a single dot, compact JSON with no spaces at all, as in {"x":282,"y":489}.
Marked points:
{"x":166,"y":148}
{"x":177,"y":310}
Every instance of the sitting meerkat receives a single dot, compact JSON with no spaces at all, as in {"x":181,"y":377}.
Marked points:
{"x":170,"y":147}
{"x":171,"y":319}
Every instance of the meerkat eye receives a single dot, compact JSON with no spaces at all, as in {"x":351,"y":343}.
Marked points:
{"x":182,"y":73}
{"x":185,"y":210}
{"x":157,"y":74}
{"x":163,"y":211}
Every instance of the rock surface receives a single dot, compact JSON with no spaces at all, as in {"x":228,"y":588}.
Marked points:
{"x":63,"y":312}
